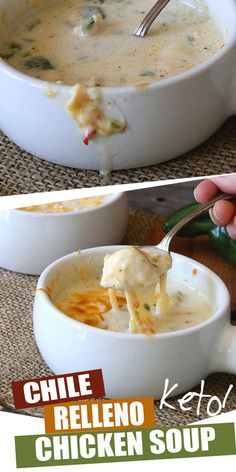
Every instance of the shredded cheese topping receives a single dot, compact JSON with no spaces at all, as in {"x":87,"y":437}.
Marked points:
{"x":66,"y":206}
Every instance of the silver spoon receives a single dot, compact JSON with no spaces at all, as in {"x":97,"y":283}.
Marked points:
{"x":164,"y":245}
{"x":146,"y":23}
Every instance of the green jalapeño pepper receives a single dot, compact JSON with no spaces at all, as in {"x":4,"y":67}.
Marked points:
{"x":195,"y":228}
{"x":223,"y":244}
{"x":218,"y":235}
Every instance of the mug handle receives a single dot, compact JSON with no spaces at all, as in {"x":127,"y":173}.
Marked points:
{"x":225,"y":359}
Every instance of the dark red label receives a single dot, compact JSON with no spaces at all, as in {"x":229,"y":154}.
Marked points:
{"x":58,"y":389}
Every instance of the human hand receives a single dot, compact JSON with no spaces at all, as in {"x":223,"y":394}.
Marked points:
{"x":224,"y":211}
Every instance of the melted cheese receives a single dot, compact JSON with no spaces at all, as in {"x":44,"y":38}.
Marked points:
{"x":86,"y":109}
{"x":88,"y":305}
{"x":137,"y":272}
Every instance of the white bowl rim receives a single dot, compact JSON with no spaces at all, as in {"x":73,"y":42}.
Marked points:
{"x":130,"y":89}
{"x":137,"y":337}
{"x":110,"y":200}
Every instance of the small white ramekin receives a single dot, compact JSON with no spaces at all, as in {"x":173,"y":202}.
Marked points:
{"x":30,"y":241}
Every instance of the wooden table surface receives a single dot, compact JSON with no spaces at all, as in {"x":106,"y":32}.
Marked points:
{"x":162,"y":200}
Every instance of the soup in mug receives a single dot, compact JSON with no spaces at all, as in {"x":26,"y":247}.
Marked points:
{"x":132,"y":296}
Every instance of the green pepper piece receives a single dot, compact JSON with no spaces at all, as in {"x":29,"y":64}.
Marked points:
{"x":147,"y":73}
{"x":38,"y":63}
{"x":87,"y":24}
{"x":223,"y":244}
{"x":197,"y":227}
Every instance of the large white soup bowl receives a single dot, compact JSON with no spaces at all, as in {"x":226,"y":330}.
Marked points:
{"x":135,"y":365}
{"x":164,"y":120}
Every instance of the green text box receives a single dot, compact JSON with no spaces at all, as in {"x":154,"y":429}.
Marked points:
{"x":222,"y":444}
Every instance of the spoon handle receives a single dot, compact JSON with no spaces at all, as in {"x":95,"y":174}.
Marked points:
{"x":146,"y":23}
{"x":165,"y":243}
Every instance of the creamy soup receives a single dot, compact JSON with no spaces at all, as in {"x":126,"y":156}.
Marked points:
{"x":67,"y":206}
{"x":86,"y":301}
{"x":139,"y":304}
{"x":90,"y":42}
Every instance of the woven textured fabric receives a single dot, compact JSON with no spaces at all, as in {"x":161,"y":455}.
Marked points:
{"x":22,"y":173}
{"x":20,"y":358}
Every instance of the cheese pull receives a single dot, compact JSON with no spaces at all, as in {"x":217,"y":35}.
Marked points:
{"x":137,"y":273}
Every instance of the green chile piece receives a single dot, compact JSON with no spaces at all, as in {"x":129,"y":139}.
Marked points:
{"x":39,"y":63}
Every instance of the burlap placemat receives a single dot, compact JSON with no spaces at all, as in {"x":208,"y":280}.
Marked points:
{"x":20,"y":172}
{"x":19,"y":356}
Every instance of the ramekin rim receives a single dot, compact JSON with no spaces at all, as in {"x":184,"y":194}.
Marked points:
{"x":112,"y":198}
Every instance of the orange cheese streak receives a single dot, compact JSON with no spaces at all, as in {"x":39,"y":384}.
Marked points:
{"x":47,"y":291}
{"x":50,"y":207}
{"x":90,"y":306}
{"x":65,"y":207}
